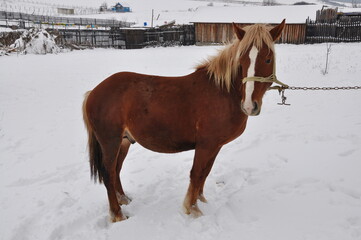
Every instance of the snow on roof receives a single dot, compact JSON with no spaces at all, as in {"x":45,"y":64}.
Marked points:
{"x":256,"y":14}
{"x":124,"y":4}
{"x":349,"y":10}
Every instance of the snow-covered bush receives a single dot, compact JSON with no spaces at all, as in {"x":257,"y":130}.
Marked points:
{"x":36,"y":41}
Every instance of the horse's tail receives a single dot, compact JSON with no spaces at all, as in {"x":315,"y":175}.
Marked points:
{"x":95,"y":151}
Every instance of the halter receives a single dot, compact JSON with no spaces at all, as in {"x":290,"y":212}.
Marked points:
{"x":270,"y":79}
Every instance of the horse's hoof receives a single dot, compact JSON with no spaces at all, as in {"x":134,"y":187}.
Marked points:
{"x":117,"y":217}
{"x":123,"y":199}
{"x":193,"y":211}
{"x":202,"y":198}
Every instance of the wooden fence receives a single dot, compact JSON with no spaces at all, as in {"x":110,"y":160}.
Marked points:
{"x":101,"y":33}
{"x":345,"y":29}
{"x":112,"y":33}
{"x":89,"y":38}
{"x":128,"y":38}
{"x":177,"y":35}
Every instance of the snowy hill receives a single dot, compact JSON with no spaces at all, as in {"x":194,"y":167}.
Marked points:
{"x":165,"y":11}
{"x":141,"y":5}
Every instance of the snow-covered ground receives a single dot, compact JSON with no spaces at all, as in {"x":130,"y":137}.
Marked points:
{"x":294,"y":173}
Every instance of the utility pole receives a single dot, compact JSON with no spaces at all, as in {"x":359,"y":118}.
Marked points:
{"x":152,"y":18}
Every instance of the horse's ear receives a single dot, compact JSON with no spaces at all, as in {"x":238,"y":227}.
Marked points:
{"x":276,"y":31}
{"x":238,"y":31}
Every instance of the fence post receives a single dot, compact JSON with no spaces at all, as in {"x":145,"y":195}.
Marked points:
{"x":95,"y":40}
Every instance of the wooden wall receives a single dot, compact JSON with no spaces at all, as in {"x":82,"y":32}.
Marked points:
{"x":215,"y":33}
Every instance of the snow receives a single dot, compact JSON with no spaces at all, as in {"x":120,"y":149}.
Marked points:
{"x":165,"y":11}
{"x":218,"y":14}
{"x":256,"y":14}
{"x":293,"y":174}
{"x":36,"y":41}
{"x":349,"y":10}
{"x":5,"y":29}
{"x":136,"y":4}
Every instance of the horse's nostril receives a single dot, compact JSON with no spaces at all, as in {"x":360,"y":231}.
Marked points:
{"x":255,"y":110}
{"x":255,"y":106}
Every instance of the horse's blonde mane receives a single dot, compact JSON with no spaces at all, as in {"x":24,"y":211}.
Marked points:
{"x":224,"y":67}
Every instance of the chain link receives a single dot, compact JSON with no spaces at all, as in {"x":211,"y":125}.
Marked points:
{"x":324,"y":88}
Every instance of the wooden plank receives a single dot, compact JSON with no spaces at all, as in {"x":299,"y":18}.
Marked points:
{"x":211,"y":33}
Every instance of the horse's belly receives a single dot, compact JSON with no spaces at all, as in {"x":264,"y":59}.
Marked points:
{"x":165,"y":145}
{"x":164,"y":141}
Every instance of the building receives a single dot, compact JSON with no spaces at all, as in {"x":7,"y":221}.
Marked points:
{"x":66,"y":11}
{"x":121,"y":8}
{"x":214,"y":24}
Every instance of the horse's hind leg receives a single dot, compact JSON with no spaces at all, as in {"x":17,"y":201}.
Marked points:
{"x":202,"y":164}
{"x":110,"y":149}
{"x":122,"y":153}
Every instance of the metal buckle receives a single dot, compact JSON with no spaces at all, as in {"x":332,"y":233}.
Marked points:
{"x":283,"y":97}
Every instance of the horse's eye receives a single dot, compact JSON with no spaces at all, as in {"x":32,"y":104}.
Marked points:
{"x":268,"y":61}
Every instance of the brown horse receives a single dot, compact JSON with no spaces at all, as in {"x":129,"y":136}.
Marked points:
{"x":203,"y":111}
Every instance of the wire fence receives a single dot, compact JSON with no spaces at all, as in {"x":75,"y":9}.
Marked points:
{"x":24,"y":20}
{"x":44,"y":7}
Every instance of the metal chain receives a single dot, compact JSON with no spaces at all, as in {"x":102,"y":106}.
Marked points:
{"x":281,"y":90}
{"x":324,"y":88}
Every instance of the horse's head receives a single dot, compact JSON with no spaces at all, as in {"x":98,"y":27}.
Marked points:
{"x":257,"y":64}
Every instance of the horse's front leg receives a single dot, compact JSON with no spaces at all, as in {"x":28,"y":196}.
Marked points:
{"x":201,"y":196}
{"x":203,"y":161}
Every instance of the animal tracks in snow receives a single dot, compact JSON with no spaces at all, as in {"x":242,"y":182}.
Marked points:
{"x":348,"y":152}
{"x":352,"y":226}
{"x":301,"y":186}
{"x":352,"y":193}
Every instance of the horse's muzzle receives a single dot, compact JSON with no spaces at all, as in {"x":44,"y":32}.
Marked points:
{"x":254,"y":110}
